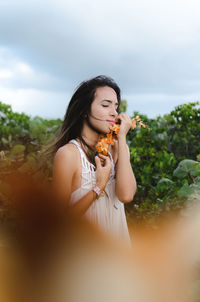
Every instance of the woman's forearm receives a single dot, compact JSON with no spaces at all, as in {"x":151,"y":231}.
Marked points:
{"x":125,"y":186}
{"x":81,"y":206}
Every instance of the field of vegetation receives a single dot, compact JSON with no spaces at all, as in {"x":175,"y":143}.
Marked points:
{"x":165,"y":158}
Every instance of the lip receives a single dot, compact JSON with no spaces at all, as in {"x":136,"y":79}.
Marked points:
{"x":111,"y":122}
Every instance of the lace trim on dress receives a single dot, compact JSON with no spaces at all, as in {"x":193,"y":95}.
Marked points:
{"x":86,"y":163}
{"x":88,"y":177}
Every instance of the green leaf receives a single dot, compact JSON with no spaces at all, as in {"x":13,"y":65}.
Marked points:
{"x":165,"y":182}
{"x":186,"y":167}
{"x":18,"y":149}
{"x":185,"y":191}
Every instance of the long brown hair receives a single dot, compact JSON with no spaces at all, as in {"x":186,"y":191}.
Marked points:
{"x":78,"y":111}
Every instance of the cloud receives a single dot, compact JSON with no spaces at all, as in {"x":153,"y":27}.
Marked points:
{"x":35,"y":102}
{"x":154,"y":105}
{"x":151,"y":48}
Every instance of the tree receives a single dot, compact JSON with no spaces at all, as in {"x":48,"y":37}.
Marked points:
{"x":123,"y":106}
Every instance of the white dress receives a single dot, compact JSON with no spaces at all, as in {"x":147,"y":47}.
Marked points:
{"x":107,"y":212}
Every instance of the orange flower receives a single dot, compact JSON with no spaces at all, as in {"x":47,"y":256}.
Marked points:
{"x":102,"y":146}
{"x":139,"y":121}
{"x":115,"y":128}
{"x":133,"y":124}
{"x":110,"y":138}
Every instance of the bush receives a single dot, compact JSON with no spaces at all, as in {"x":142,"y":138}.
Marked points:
{"x":164,"y":157}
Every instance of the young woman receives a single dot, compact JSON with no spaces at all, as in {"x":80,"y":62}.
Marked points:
{"x":95,"y":187}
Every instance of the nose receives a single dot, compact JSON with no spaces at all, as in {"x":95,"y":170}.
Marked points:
{"x":114,"y":112}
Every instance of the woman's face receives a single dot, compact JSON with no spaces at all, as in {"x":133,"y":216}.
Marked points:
{"x":103,"y":110}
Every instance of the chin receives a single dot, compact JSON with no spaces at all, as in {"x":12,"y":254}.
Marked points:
{"x":106,"y":131}
{"x":103,"y":132}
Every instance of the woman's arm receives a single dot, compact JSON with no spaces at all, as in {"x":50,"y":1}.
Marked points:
{"x":125,"y":186}
{"x":64,"y":169}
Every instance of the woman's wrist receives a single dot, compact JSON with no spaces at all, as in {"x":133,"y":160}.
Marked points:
{"x":98,"y":191}
{"x":100,"y":185}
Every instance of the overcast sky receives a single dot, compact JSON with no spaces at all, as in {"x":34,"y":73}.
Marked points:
{"x":151,"y":48}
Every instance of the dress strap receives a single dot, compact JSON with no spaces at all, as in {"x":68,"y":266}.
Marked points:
{"x":78,"y":146}
{"x":112,"y":161}
{"x":85,"y":162}
{"x":84,"y":159}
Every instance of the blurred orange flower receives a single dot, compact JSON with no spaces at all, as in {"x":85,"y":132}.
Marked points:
{"x":115,"y":128}
{"x":105,"y":140}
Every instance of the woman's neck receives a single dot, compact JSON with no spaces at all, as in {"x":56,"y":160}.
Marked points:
{"x":90,"y":136}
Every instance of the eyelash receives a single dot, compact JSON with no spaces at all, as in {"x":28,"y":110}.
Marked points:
{"x":108,"y":106}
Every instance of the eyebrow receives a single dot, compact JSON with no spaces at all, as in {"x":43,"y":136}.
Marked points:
{"x":109,"y":101}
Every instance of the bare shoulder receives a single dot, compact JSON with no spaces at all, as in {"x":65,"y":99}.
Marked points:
{"x":68,"y":148}
{"x":67,"y":154}
{"x":65,"y":167}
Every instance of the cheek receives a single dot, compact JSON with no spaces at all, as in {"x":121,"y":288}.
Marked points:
{"x":99,"y":112}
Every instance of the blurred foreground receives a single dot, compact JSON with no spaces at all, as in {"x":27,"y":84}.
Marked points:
{"x":48,"y":254}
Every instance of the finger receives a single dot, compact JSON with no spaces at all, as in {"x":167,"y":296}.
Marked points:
{"x":97,"y":161}
{"x":126,"y":118}
{"x":120,"y":117}
{"x":126,"y":115}
{"x":122,"y":114}
{"x":102,"y":156}
{"x":107,"y":161}
{"x":102,"y":161}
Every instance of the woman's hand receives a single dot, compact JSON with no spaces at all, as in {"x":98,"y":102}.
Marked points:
{"x":125,"y":124}
{"x":104,"y":167}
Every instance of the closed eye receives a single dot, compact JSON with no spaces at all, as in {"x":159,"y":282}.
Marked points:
{"x":108,"y":106}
